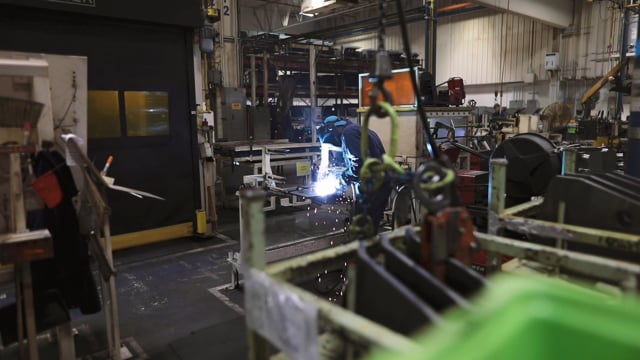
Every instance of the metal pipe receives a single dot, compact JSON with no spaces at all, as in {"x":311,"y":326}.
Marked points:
{"x":434,"y":36}
{"x":497,"y":191}
{"x":629,"y":243}
{"x":623,"y":273}
{"x":252,"y":253}
{"x":204,"y":64}
{"x":312,"y":91}
{"x":28,"y":298}
{"x":252,"y":230}
{"x":428,"y":35}
{"x":633,"y":148}
{"x":265,"y":78}
{"x":367,"y":25}
{"x":253,"y":81}
{"x":454,"y":7}
{"x":113,"y":294}
{"x":470,"y":150}
{"x":569,"y":161}
{"x":624,"y":22}
{"x":632,"y":161}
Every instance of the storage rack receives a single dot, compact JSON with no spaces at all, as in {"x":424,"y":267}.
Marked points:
{"x":337,"y":73}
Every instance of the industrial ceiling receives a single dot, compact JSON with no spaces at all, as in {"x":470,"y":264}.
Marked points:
{"x":349,"y":17}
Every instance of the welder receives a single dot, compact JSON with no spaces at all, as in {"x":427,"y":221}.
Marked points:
{"x":350,"y":134}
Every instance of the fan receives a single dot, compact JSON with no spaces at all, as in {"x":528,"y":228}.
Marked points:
{"x":557,"y":115}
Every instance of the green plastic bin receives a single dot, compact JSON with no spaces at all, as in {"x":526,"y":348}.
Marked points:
{"x":534,"y":318}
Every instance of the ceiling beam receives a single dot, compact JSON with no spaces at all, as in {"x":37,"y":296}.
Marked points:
{"x":556,"y":13}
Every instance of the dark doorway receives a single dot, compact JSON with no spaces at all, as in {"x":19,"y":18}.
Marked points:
{"x":126,"y":56}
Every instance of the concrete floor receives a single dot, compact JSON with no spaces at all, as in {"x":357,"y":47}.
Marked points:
{"x":173,"y":296}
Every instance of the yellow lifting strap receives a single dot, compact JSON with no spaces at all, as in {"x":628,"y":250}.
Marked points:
{"x":372,"y":168}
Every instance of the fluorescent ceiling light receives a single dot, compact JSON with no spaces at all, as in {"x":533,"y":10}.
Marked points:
{"x":319,"y":6}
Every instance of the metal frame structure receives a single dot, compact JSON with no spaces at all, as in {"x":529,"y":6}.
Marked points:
{"x":271,"y":153}
{"x":263,"y":282}
{"x":296,"y":321}
{"x":623,"y":274}
{"x":95,"y":213}
{"x":292,"y":196}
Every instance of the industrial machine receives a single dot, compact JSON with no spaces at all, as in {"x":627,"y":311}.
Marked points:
{"x":533,"y":162}
{"x":453,"y":95}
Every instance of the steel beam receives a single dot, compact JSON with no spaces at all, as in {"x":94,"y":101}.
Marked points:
{"x":621,"y":273}
{"x":497,"y":194}
{"x":252,"y":254}
{"x":598,"y":237}
{"x":354,"y":327}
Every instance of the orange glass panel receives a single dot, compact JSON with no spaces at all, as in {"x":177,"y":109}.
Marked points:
{"x":399,"y":86}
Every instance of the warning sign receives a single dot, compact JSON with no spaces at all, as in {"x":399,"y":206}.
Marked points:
{"x":303,"y":168}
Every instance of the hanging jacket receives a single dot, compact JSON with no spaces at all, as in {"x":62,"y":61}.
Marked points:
{"x":69,"y":270}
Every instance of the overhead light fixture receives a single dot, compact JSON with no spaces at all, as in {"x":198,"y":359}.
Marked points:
{"x":318,"y":7}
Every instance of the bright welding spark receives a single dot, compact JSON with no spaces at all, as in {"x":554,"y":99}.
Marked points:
{"x":327,"y":185}
{"x":324,"y":160}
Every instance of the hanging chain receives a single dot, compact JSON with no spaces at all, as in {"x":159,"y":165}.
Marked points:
{"x":381,"y":25}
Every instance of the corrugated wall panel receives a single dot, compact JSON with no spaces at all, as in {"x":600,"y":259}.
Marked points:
{"x":488,"y":47}
{"x":603,"y":35}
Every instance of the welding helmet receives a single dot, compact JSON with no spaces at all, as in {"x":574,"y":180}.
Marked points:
{"x":333,"y":121}
{"x":330,"y":120}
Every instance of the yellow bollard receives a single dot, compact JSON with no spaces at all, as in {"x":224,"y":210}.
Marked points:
{"x":201,"y":221}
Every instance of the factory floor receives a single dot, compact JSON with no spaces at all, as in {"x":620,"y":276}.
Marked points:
{"x":173,"y":296}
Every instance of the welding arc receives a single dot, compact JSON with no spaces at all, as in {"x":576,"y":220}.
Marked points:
{"x":432,"y":147}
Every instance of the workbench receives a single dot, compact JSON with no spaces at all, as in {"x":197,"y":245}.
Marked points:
{"x":251,"y":151}
{"x":261,"y":155}
{"x":279,"y":152}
